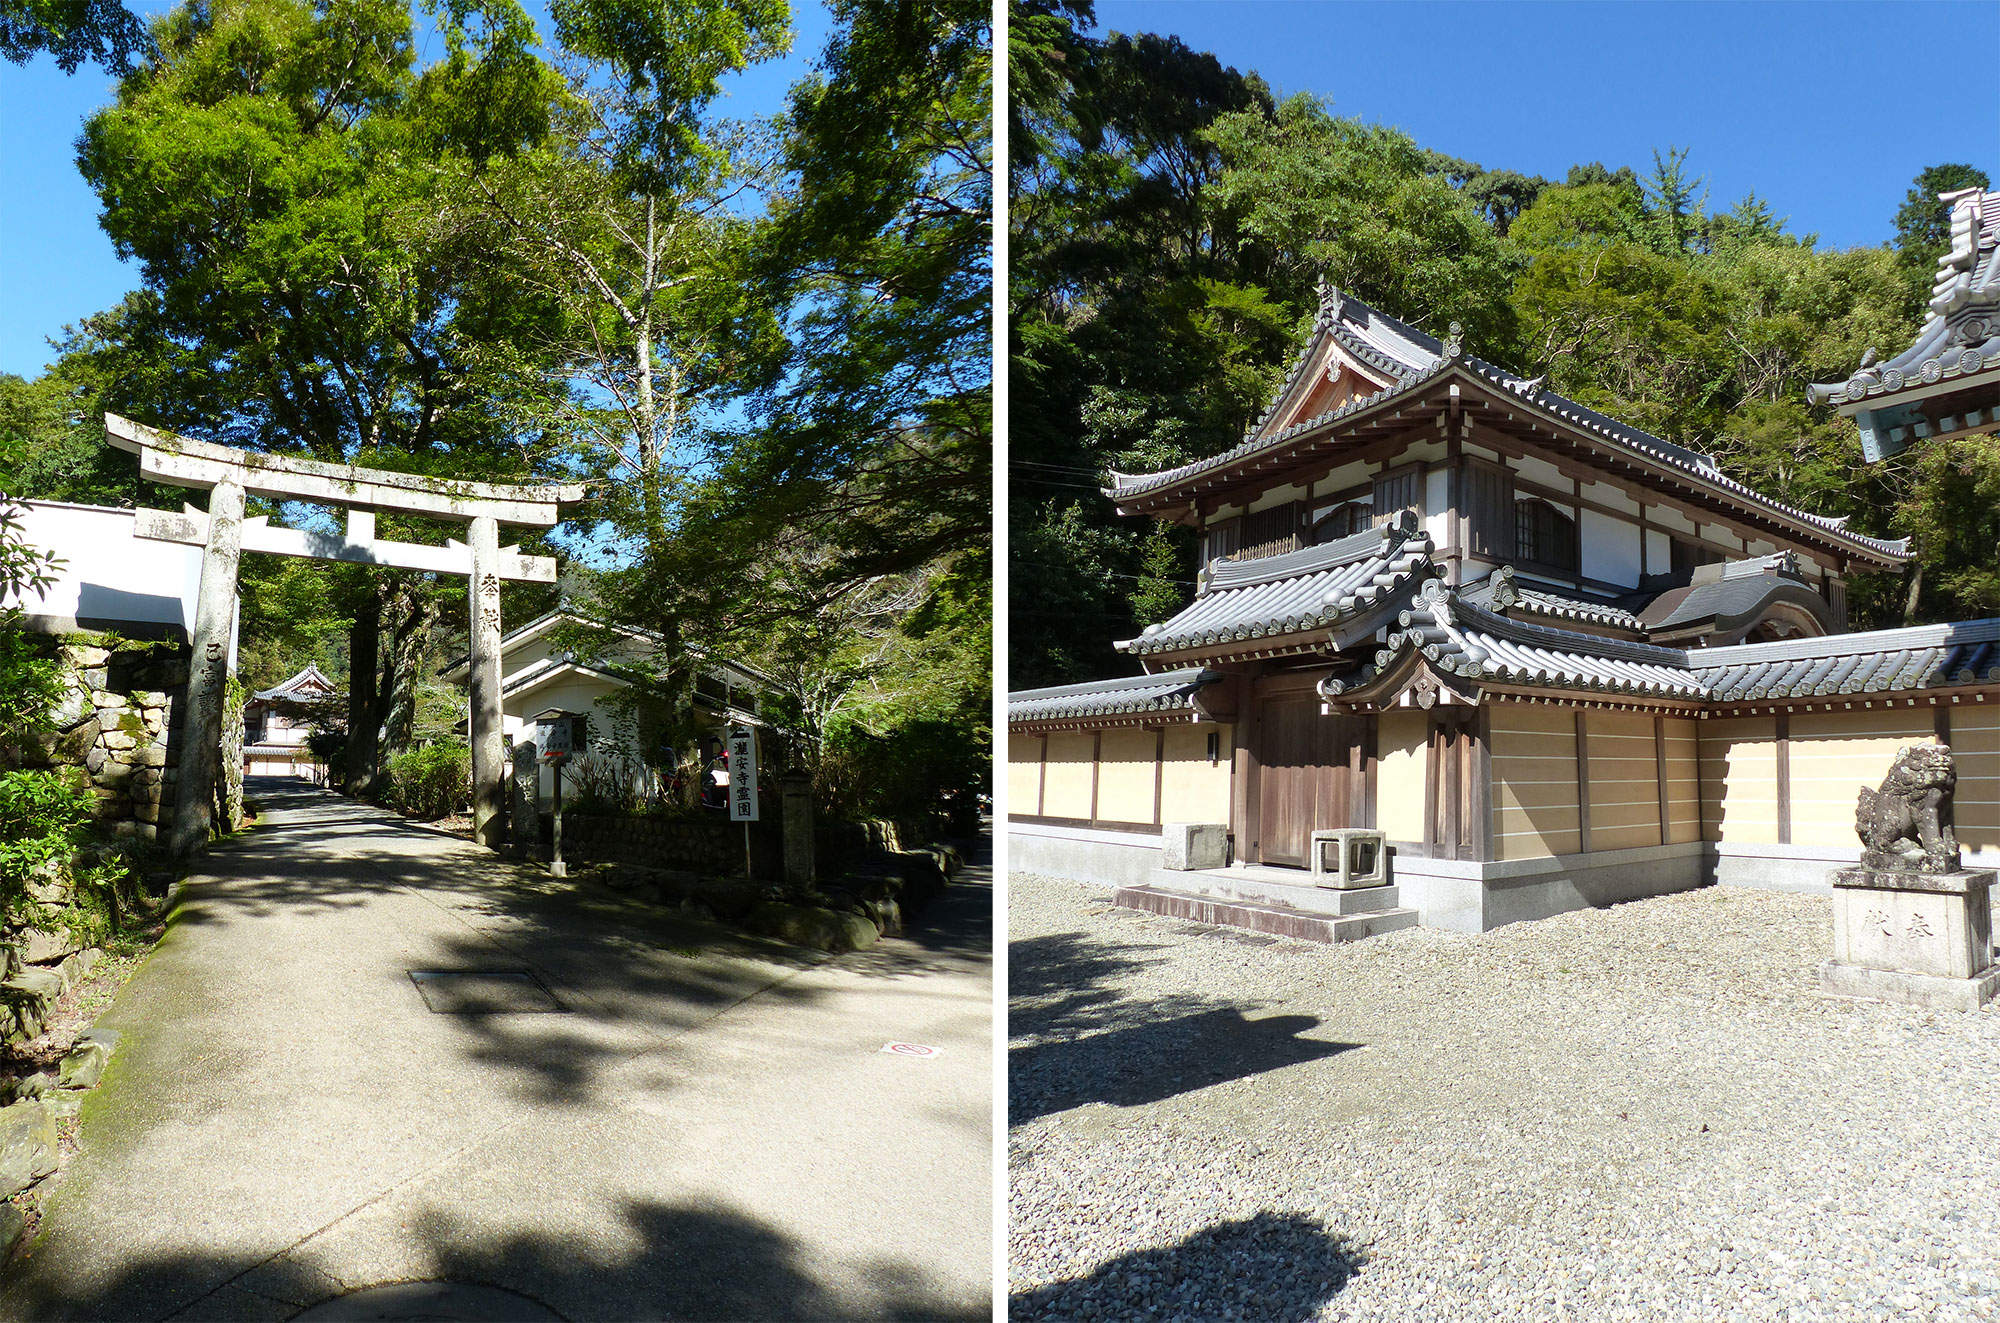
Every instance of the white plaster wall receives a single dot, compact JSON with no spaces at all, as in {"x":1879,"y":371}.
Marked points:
{"x":1659,"y":552}
{"x":107,"y":573}
{"x":1610,"y":549}
{"x":1437,"y":500}
{"x":1605,"y":493}
{"x":1541,"y":471}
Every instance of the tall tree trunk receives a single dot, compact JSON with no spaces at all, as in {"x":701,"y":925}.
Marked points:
{"x":1916,"y":589}
{"x":364,"y":642}
{"x":404,"y":665}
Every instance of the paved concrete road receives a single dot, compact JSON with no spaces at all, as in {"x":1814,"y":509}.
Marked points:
{"x":710,"y":1130}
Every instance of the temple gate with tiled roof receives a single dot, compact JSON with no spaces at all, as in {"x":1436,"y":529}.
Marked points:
{"x":1556,"y":660}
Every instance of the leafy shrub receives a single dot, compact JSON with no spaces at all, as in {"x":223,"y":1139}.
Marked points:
{"x":431,"y":782}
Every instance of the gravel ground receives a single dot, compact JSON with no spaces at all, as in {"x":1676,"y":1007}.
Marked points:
{"x":1647,"y":1112}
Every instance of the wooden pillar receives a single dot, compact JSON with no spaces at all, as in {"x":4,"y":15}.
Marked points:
{"x":1479,"y":784}
{"x":208,"y":672}
{"x":483,"y":682}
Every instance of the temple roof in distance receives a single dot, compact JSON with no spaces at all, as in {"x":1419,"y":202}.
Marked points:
{"x":1961,"y":336}
{"x":1294,"y":593}
{"x":309,"y":684}
{"x":1166,"y":692}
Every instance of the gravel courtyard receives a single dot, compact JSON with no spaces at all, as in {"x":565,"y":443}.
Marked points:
{"x":1646,"y":1112}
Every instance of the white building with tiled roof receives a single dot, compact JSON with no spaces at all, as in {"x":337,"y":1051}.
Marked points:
{"x":1556,"y":660}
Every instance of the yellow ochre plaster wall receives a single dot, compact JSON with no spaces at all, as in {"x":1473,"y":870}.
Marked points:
{"x":1192,"y":789}
{"x":1834,"y":754}
{"x":1125,"y":774}
{"x":1975,"y":744}
{"x":1624,"y":780}
{"x":1534,"y":781}
{"x":1682,"y":740}
{"x":1739,"y":780}
{"x":1066,"y":779}
{"x":1399,"y":774}
{"x":1024,"y":774}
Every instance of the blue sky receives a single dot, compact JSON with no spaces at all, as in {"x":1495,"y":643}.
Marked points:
{"x":56,"y":266}
{"x":1827,"y":110}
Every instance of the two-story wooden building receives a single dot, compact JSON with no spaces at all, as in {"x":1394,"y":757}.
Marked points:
{"x":1556,"y":660}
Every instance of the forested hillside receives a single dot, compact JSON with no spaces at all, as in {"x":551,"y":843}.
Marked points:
{"x":1171,"y":221}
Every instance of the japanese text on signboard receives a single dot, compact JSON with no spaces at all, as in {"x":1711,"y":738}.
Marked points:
{"x":742,"y":774}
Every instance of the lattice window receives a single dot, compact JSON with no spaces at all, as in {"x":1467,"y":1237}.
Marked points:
{"x":1544,"y":535}
{"x":1343,"y":521}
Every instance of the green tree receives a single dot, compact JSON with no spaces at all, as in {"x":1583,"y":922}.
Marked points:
{"x":73,"y":31}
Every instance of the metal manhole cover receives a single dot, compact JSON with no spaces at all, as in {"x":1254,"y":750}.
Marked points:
{"x":483,"y":992}
{"x":423,"y":1302}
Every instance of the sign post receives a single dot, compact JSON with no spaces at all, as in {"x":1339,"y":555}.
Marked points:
{"x":743,"y":784}
{"x":555,"y":735}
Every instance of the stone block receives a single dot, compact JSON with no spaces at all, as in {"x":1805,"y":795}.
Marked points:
{"x":93,"y":759}
{"x":113,"y":775}
{"x":1937,"y":924}
{"x":27,"y":1145}
{"x":152,"y":755}
{"x":13,"y":1226}
{"x":47,"y":984}
{"x":812,"y":926}
{"x":147,"y":698}
{"x":84,"y":1066}
{"x":146,"y":810}
{"x":1185,"y":846}
{"x":105,"y":699}
{"x":83,"y":655}
{"x":1926,"y":990}
{"x":117,"y":740}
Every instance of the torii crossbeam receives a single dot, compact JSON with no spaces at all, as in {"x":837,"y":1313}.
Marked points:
{"x":223,"y":534}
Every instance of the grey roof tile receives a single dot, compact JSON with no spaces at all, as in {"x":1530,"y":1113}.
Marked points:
{"x":1168,"y":691}
{"x":1269,"y":596}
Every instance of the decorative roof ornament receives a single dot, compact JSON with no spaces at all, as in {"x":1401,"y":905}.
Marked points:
{"x":1454,"y":341}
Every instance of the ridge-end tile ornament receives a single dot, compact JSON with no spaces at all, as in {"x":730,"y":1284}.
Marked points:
{"x":1912,"y":924}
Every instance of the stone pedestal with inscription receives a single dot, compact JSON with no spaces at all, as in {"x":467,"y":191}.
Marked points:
{"x":1921,"y":938}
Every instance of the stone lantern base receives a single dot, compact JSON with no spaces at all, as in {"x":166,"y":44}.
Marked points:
{"x":1925,"y":939}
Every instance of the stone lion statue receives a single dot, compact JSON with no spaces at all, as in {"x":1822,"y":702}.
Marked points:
{"x":1905,"y":827}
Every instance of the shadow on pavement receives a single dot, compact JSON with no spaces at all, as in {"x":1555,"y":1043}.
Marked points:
{"x":1144,"y":1063}
{"x":640,"y":971}
{"x":1271,"y":1267}
{"x":664,"y":1262}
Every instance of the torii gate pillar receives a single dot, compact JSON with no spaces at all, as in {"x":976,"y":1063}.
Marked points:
{"x":208,"y":671}
{"x":483,"y":684}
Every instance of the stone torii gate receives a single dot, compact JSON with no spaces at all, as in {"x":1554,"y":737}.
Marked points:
{"x":224,"y":534}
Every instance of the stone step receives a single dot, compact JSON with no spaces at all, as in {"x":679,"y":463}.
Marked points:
{"x":1270,"y":886}
{"x":1277,"y":920}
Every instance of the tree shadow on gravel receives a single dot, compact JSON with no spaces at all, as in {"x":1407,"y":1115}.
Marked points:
{"x":1067,"y":982}
{"x":1157,"y":1059}
{"x":1271,"y":1268}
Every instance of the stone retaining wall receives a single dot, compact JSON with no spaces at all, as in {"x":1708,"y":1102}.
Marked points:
{"x":694,"y":845}
{"x":118,"y":723}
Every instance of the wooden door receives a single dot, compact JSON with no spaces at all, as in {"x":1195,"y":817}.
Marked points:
{"x":1311,"y":776}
